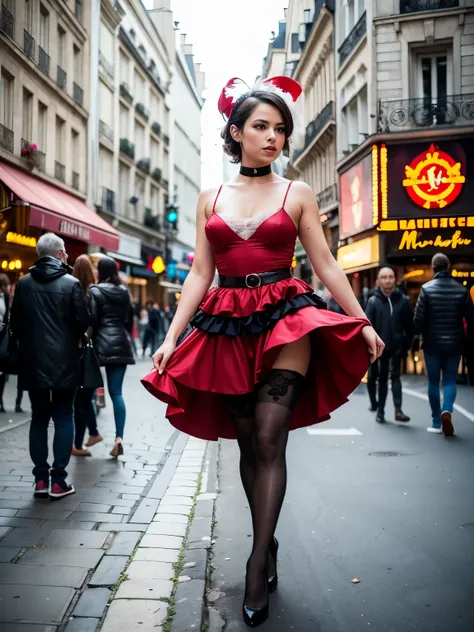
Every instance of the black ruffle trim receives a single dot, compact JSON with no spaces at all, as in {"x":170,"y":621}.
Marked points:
{"x":257,"y":322}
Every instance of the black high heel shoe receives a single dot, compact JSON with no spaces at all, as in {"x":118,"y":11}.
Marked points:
{"x":273,"y":581}
{"x":253,"y":617}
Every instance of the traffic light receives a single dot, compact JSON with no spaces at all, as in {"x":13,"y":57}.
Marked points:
{"x":172,"y":217}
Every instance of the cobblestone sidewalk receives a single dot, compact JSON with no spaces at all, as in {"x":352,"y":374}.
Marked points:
{"x":121,"y":552}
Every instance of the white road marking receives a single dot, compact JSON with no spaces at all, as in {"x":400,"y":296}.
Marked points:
{"x":333,"y":432}
{"x":424,"y":397}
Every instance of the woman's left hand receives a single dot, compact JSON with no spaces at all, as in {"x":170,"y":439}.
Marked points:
{"x":375,"y":344}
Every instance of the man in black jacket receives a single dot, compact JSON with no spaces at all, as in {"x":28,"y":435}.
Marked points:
{"x":442,"y":307}
{"x":48,"y":317}
{"x":390,"y":313}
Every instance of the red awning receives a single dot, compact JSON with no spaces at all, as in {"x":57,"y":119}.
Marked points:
{"x":53,"y":209}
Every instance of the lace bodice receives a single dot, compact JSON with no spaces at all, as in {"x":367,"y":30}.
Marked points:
{"x":245,"y":227}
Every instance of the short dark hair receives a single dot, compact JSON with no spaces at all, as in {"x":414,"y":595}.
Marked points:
{"x":108,"y":271}
{"x":440,"y":262}
{"x":243,"y":109}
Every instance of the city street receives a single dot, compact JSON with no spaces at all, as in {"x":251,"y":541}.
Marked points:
{"x":380,"y":504}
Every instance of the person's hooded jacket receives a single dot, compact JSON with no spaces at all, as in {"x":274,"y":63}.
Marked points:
{"x":111,"y":318}
{"x":392,"y":318}
{"x":48,"y":318}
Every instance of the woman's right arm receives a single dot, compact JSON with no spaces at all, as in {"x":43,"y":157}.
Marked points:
{"x":195,"y":286}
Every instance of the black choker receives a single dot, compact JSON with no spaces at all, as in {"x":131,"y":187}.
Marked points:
{"x":255,"y":172}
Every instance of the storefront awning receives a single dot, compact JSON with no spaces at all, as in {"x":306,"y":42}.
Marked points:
{"x":53,"y":209}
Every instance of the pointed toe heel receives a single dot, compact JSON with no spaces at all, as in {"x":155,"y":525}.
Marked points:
{"x":253,"y":617}
{"x":273,"y":581}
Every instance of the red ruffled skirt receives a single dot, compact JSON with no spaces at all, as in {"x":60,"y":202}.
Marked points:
{"x":236,"y":337}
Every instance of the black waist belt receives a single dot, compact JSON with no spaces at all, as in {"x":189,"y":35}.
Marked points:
{"x":254,"y":280}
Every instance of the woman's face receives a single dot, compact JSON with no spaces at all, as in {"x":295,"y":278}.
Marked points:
{"x":262,"y":137}
{"x":6,"y":289}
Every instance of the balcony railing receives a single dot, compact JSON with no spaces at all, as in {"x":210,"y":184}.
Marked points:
{"x":43,"y":60}
{"x":152,"y":221}
{"x":354,"y":37}
{"x":8,"y":22}
{"x":75,"y":180}
{"x":327,"y":198}
{"x":61,"y":78}
{"x":106,"y":131}
{"x":455,"y":110}
{"x":28,"y":44}
{"x":144,"y":165}
{"x":166,"y":139}
{"x":77,"y":93}
{"x":40,"y":160}
{"x":106,"y":67}
{"x":125,"y":92}
{"x":142,"y":111}
{"x":108,"y":200}
{"x":156,"y":128}
{"x":127,"y":148}
{"x":156,"y":174}
{"x":6,"y":138}
{"x":59,"y":171}
{"x":412,"y":6}
{"x":315,"y":127}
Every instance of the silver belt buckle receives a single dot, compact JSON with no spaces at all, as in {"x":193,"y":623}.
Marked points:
{"x":253,"y":280}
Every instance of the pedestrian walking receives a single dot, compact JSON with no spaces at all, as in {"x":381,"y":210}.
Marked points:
{"x":444,"y":307}
{"x":5,"y":300}
{"x":391,"y":315}
{"x":48,"y":318}
{"x":263,"y":356}
{"x":112,"y":321}
{"x":154,"y":329}
{"x":84,"y":412}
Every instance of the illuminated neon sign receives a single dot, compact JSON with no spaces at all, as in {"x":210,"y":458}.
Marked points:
{"x":410,"y":241}
{"x":433,"y":179}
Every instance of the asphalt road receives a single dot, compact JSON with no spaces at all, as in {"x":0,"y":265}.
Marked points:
{"x":392,"y":522}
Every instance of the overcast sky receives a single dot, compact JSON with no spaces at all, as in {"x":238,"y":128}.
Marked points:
{"x":230,"y":39}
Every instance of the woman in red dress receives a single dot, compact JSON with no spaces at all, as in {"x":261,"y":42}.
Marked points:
{"x":261,"y":355}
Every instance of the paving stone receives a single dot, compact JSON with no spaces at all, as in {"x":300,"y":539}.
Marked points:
{"x":84,"y":558}
{"x":94,"y":517}
{"x":42,"y":575}
{"x":20,"y":522}
{"x":161,"y":542}
{"x":145,"y":589}
{"x":4,"y":531}
{"x":45,"y":511}
{"x":145,"y":510}
{"x":92,"y":602}
{"x":7,"y":513}
{"x":82,"y":625}
{"x":125,"y":615}
{"x":30,"y":627}
{"x":120,"y":488}
{"x":176,"y":518}
{"x":7,"y":553}
{"x":72,"y":538}
{"x":170,"y":499}
{"x":18,"y":484}
{"x":42,"y":604}
{"x":182,"y":482}
{"x":195,"y":564}
{"x":185,"y":476}
{"x":124,"y":526}
{"x":150,"y":570}
{"x":177,"y":509}
{"x":167,"y":528}
{"x":204,"y":508}
{"x":141,"y":480}
{"x":127,"y":496}
{"x":122,"y":511}
{"x":67,"y":524}
{"x":109,"y":570}
{"x":200,"y":528}
{"x":94,"y":507}
{"x":22,"y":536}
{"x":124,"y":543}
{"x":178,"y":492}
{"x":156,"y":555}
{"x":189,"y":613}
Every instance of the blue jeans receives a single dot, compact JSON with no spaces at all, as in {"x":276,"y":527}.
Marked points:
{"x":448,"y":366}
{"x":115,"y":374}
{"x":56,"y":404}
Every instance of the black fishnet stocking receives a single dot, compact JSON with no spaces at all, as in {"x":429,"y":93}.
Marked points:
{"x":262,"y":440}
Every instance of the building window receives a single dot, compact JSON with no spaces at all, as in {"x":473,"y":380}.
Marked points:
{"x":29,"y":16}
{"x":77,"y":64}
{"x":60,"y":139}
{"x":295,"y":43}
{"x":434,"y":74}
{"x":7,"y":99}
{"x":42,"y":125}
{"x":76,"y":156}
{"x":27,"y":120}
{"x":44,"y":28}
{"x":62,"y":57}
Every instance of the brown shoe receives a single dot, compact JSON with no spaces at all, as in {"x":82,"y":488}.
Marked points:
{"x":447,"y":424}
{"x":400,"y":415}
{"x":76,"y":452}
{"x":93,"y":439}
{"x":117,"y":450}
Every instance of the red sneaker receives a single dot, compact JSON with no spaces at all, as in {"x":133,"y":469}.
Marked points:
{"x":41,"y":489}
{"x":61,"y":489}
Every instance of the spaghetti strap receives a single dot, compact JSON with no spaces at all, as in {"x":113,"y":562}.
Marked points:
{"x":215,"y":200}
{"x":286,"y":195}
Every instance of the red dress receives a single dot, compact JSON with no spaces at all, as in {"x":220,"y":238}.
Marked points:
{"x":237,"y":335}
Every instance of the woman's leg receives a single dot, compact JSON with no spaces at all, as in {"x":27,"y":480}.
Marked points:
{"x":276,"y":397}
{"x":115,"y":374}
